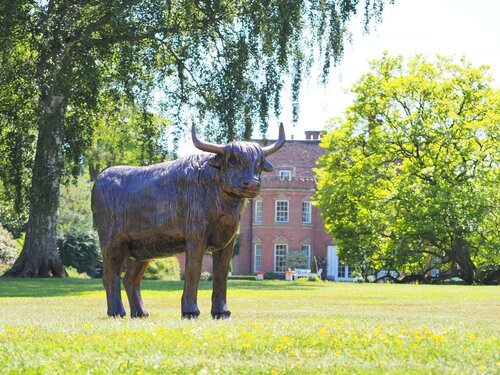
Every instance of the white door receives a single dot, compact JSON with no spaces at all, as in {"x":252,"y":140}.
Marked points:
{"x":337,"y":270}
{"x":332,"y":262}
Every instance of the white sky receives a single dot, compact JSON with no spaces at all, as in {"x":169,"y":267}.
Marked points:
{"x":446,"y":27}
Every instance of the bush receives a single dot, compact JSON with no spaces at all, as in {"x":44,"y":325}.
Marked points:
{"x":314,"y":265}
{"x":77,"y":240}
{"x":80,"y":249}
{"x":296,"y":259}
{"x":163,"y":269}
{"x":74,"y":274}
{"x":322,"y":263}
{"x":9,"y":250}
{"x":274,"y":276}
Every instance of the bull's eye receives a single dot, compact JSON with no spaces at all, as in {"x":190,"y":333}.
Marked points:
{"x":232,"y":160}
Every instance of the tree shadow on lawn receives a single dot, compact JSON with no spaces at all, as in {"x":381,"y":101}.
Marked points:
{"x":76,"y":287}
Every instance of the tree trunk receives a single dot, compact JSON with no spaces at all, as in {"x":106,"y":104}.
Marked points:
{"x":39,"y":257}
{"x":460,"y":254}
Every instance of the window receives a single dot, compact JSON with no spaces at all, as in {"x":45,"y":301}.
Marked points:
{"x":258,"y":257}
{"x":306,"y":213}
{"x":307,"y":250}
{"x":281,"y":212}
{"x":343,"y":271}
{"x":280,"y":251}
{"x":285,"y":175}
{"x":258,"y":212}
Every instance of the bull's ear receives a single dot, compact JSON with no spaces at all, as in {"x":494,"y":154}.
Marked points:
{"x":217,"y":161}
{"x":268,"y":167}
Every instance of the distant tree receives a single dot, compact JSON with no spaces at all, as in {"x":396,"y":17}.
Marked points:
{"x":225,"y":60}
{"x":409,"y":181}
{"x":9,"y":249}
{"x":126,"y":135}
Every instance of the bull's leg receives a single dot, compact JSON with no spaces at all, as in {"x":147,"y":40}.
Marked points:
{"x":192,"y":273}
{"x":222,"y":260}
{"x":132,"y":283}
{"x":113,"y":258}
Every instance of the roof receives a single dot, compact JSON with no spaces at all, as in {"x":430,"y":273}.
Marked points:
{"x":299,"y":155}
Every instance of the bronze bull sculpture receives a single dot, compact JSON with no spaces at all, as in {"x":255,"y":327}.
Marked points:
{"x":192,"y":204}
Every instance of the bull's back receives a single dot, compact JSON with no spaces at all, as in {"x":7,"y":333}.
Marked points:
{"x":142,"y":206}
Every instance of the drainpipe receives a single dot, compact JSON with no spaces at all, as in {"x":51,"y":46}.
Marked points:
{"x":250,"y":235}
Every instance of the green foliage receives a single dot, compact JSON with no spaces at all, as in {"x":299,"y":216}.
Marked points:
{"x":74,"y":274}
{"x":163,"y":269}
{"x":274,"y":276}
{"x":296,"y":259}
{"x":126,"y":135}
{"x":80,"y":249}
{"x":11,"y":218}
{"x":225,"y":62}
{"x":314,"y":265}
{"x":282,"y":327}
{"x":409,"y":179}
{"x":78,"y":243}
{"x":322,"y":264}
{"x":9,"y":250}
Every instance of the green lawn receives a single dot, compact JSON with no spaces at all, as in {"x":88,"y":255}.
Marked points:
{"x":59,"y":326}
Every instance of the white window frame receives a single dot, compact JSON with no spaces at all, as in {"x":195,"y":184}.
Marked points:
{"x":306,"y":214}
{"x":257,"y":264}
{"x":285,"y":175}
{"x":344,"y":272}
{"x":258,"y":212}
{"x":307,"y":249}
{"x":276,"y":204}
{"x":280,"y":247}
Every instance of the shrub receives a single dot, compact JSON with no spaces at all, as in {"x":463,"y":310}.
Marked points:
{"x":9,"y":250}
{"x":314,"y":265}
{"x":80,"y":249}
{"x":77,"y":240}
{"x":274,"y":276}
{"x":296,"y":259}
{"x":163,"y":269}
{"x":74,"y":274}
{"x":322,"y":263}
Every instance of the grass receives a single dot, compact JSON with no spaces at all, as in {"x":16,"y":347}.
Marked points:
{"x":59,"y":326}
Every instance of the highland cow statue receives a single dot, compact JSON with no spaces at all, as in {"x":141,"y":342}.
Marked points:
{"x":192,"y":204}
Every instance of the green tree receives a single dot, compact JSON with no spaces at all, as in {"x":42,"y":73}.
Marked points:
{"x":125,"y":135}
{"x":224,"y":60}
{"x":409,"y":181}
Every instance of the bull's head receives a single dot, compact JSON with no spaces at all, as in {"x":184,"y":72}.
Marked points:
{"x":240,"y":163}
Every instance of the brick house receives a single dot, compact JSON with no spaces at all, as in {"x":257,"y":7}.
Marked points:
{"x":282,"y":218}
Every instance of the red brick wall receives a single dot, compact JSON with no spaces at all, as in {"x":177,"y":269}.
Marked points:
{"x":294,"y":232}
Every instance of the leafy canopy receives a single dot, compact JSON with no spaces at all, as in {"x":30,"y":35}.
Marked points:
{"x":221,"y":62}
{"x":410,"y":178}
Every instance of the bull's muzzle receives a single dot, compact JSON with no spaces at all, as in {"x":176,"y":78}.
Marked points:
{"x":252,"y":184}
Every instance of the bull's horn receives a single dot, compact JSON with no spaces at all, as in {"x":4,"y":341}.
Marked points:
{"x":271,"y":149}
{"x":204,"y":146}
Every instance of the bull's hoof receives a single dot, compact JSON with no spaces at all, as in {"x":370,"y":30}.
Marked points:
{"x":222,"y":316}
{"x":116,"y":310}
{"x":116,"y":315}
{"x":139,"y":315}
{"x":190,"y":316}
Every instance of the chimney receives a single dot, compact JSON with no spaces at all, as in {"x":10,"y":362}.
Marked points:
{"x":312,"y":135}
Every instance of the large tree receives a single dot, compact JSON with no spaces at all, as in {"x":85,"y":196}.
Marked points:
{"x":225,"y":60}
{"x":409,"y":181}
